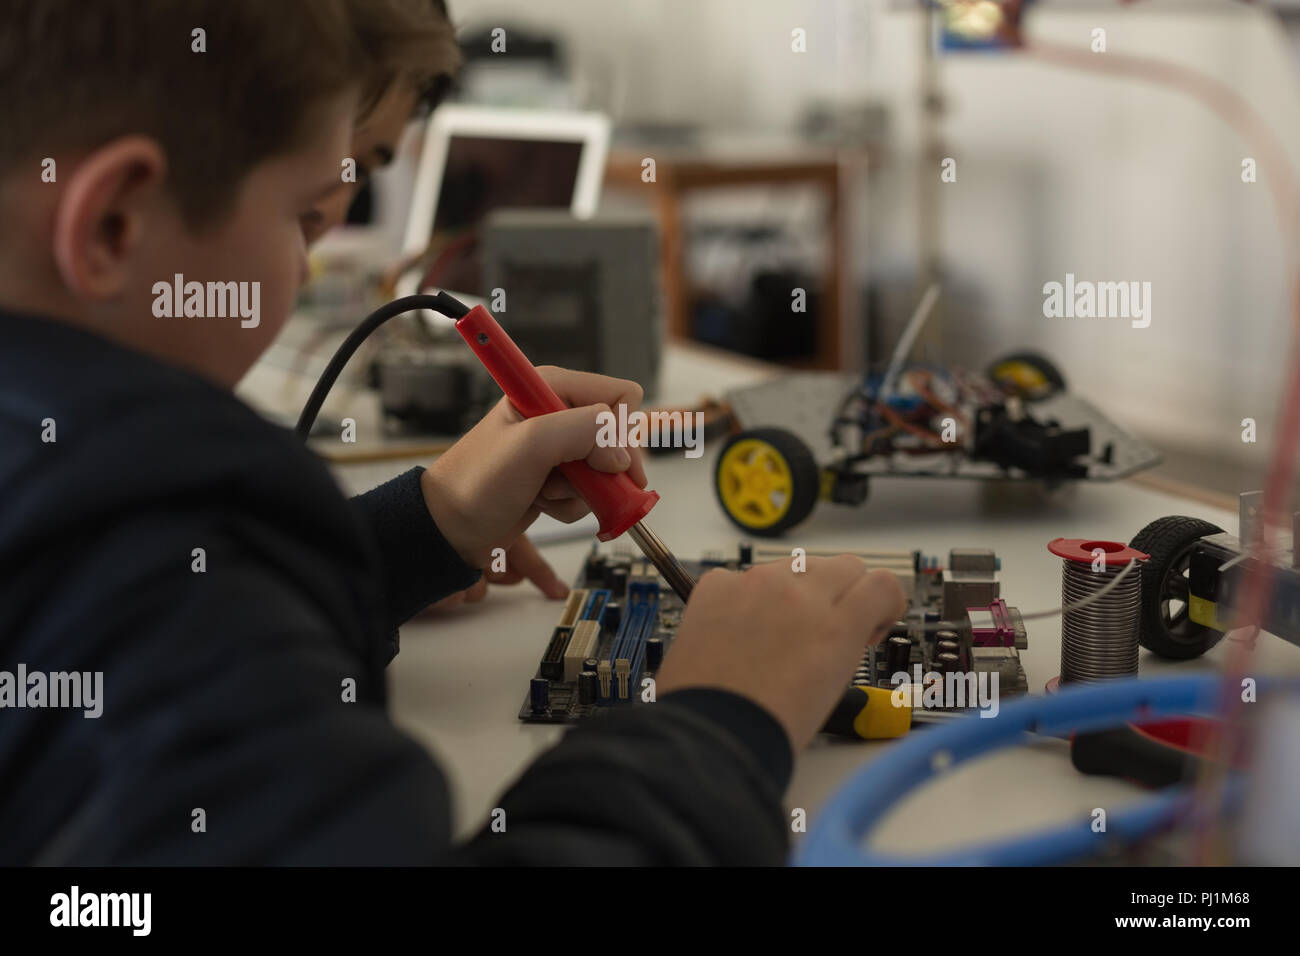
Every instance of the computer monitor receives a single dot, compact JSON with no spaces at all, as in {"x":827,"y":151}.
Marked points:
{"x":479,"y":159}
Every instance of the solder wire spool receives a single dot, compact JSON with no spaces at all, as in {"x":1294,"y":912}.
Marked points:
{"x":1099,"y":640}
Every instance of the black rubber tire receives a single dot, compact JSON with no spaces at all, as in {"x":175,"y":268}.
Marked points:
{"x":1055,"y":380}
{"x":1168,"y":541}
{"x":805,"y":479}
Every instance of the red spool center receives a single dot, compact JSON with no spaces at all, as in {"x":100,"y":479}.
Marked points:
{"x":1114,"y":554}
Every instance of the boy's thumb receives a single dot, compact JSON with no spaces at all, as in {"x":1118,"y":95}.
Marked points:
{"x":589,"y":432}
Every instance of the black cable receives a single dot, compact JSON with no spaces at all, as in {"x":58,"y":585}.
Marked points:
{"x":442,"y":303}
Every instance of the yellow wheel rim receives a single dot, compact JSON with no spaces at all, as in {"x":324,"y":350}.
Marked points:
{"x":1024,"y":377}
{"x":755,"y":483}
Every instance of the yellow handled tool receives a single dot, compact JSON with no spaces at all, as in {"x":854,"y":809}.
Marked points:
{"x":870,"y":713}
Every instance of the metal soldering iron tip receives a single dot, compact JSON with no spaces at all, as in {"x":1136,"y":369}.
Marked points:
{"x":678,"y":578}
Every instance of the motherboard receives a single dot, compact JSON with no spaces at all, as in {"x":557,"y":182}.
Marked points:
{"x":957,"y":639}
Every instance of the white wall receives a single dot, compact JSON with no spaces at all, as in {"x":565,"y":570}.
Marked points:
{"x":1058,"y":171}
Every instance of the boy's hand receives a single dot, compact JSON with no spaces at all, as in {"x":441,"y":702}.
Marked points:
{"x":787,"y":641}
{"x":523,"y":562}
{"x":486,"y":489}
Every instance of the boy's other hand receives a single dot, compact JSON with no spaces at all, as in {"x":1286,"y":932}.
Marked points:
{"x":486,"y":490}
{"x":787,"y":641}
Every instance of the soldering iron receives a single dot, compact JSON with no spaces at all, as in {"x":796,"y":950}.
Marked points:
{"x":618,"y":504}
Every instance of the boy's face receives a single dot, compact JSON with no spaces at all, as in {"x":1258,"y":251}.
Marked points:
{"x":263,"y":241}
{"x":374,"y":144}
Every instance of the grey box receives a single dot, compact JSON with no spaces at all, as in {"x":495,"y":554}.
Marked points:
{"x":1005,"y":662}
{"x":973,"y":559}
{"x":964,"y":589}
{"x":581,"y":294}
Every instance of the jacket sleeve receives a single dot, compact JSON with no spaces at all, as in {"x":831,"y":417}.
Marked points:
{"x":417,"y":563}
{"x":694,"y":779}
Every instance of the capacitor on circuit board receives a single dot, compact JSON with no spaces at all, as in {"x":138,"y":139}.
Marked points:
{"x":617,"y":580}
{"x":898,"y":653}
{"x":654,"y":653}
{"x":588,"y":685}
{"x":539,"y":694}
{"x":948,"y":647}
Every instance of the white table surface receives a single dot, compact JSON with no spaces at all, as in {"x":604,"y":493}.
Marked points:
{"x":461,"y":676}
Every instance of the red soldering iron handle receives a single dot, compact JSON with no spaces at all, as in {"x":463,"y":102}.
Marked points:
{"x":615,"y":499}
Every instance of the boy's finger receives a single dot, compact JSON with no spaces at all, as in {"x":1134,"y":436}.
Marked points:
{"x":557,"y":487}
{"x":524,"y":559}
{"x":847,"y":571}
{"x":877,"y":601}
{"x":574,"y":509}
{"x":833,"y":577}
{"x":618,"y":458}
{"x":611,"y":460}
{"x":587,"y":388}
{"x":450,"y":601}
{"x":636,"y":470}
{"x":603,"y":393}
{"x":550,"y":440}
{"x":476,"y":591}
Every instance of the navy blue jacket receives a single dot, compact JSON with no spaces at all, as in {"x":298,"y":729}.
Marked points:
{"x":222,"y":688}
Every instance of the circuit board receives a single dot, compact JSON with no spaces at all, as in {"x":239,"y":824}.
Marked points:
{"x":620,"y":619}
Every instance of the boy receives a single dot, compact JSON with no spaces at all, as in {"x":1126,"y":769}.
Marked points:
{"x":198,"y":568}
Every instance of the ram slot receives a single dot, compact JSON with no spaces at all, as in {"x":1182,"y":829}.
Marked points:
{"x":595,"y":609}
{"x":628,"y":630}
{"x":638,"y":660}
{"x":622,"y":637}
{"x":628,"y":652}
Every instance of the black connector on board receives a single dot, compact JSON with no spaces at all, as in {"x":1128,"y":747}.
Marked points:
{"x":553,"y":660}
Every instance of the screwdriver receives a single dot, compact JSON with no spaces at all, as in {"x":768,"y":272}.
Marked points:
{"x":870,"y":713}
{"x":616,"y":501}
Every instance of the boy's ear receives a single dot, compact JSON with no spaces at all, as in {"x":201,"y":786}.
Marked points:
{"x":100,"y":215}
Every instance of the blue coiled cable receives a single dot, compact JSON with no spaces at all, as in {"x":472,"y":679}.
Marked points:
{"x":839,"y":835}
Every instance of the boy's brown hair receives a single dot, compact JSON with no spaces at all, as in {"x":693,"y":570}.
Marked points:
{"x":402,"y":48}
{"x":76,"y":74}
